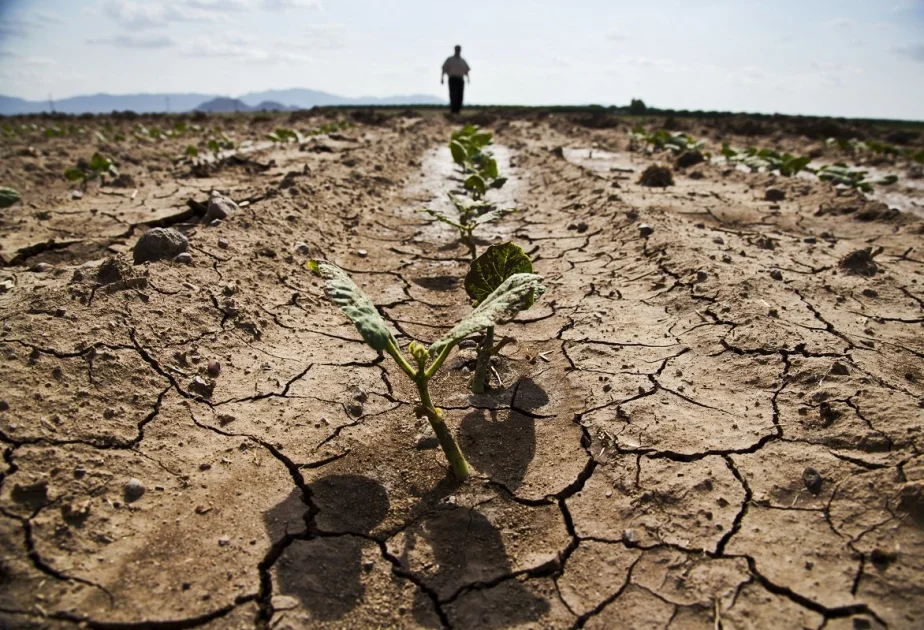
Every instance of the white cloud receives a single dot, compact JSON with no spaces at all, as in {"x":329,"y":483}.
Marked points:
{"x":242,"y":49}
{"x":25,"y":24}
{"x":913,"y":51}
{"x":137,"y":14}
{"x":134,"y":41}
{"x":839,"y":22}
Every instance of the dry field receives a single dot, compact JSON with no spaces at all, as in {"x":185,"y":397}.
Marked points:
{"x":714,"y":418}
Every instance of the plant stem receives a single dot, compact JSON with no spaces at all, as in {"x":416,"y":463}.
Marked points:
{"x":484,"y":360}
{"x":460,"y":467}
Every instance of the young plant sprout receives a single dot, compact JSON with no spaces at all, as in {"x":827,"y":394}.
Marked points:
{"x":842,"y":174}
{"x":467,"y":146}
{"x":662,"y":139}
{"x":469,"y":217}
{"x":756,"y":159}
{"x":515,"y":294}
{"x":486,"y":273}
{"x":98,"y":166}
{"x":283,"y":135}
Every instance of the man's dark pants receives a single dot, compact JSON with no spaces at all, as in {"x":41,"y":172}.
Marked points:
{"x":456,"y":90}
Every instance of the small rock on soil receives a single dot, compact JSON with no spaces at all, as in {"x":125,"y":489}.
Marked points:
{"x":159,"y":244}
{"x":657,"y":176}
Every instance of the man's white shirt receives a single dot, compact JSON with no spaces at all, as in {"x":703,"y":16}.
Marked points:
{"x":455,"y":67}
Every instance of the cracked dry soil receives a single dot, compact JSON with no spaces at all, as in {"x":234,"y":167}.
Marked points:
{"x":714,"y":425}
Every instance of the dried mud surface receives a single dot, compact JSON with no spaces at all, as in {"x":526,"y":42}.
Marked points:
{"x":708,"y":422}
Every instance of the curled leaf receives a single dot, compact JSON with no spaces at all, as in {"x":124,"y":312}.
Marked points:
{"x":355,"y":304}
{"x":515,"y":294}
{"x":8,"y":197}
{"x":496,"y":264}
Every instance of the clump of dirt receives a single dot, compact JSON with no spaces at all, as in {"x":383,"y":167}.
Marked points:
{"x":689,"y":158}
{"x":860,"y":263}
{"x":657,"y":176}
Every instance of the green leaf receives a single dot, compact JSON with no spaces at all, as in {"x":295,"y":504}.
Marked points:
{"x":476,"y":184}
{"x":445,"y":218}
{"x":355,"y":304}
{"x":458,"y":152}
{"x":74,"y":174}
{"x":99,"y":163}
{"x":498,"y":183}
{"x":496,"y":264}
{"x":489,"y":168}
{"x":192,"y":151}
{"x":515,"y":294}
{"x":8,"y":197}
{"x":491,"y":215}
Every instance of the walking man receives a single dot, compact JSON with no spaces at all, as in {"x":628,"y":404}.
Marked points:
{"x":457,"y":70}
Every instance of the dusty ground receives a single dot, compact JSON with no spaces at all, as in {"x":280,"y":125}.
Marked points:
{"x":713,"y":424}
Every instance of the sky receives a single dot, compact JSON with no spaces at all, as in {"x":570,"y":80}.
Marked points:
{"x":857,"y":58}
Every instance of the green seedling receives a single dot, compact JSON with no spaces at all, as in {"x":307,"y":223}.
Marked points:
{"x":55,"y":132}
{"x":219,"y":144}
{"x":468,"y":217}
{"x":99,"y":166}
{"x":661,"y":140}
{"x":516,"y":293}
{"x":486,"y":273}
{"x":756,"y":159}
{"x":842,"y":174}
{"x":192,"y":151}
{"x":8,"y":197}
{"x":467,"y":147}
{"x":283,"y":135}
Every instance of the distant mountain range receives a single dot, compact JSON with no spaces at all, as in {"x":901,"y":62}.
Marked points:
{"x":296,"y":98}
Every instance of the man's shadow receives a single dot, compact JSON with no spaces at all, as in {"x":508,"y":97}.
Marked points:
{"x":325,"y":573}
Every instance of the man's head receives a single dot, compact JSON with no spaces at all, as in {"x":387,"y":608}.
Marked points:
{"x":458,"y":50}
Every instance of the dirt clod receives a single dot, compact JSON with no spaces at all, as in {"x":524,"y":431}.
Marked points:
{"x":689,"y":158}
{"x":812,"y":480}
{"x":219,"y":207}
{"x":657,"y":176}
{"x":159,"y":244}
{"x":774,"y":194}
{"x":132,"y":490}
{"x":860,"y":263}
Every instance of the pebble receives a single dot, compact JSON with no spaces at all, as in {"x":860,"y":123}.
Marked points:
{"x":223,"y":243}
{"x":302,"y":248}
{"x":184,"y":259}
{"x":41,"y":267}
{"x":362,"y":253}
{"x":223,"y":541}
{"x":645,"y":230}
{"x":76,"y":194}
{"x":812,"y":480}
{"x":159,"y":244}
{"x":284,"y":602}
{"x":774,"y":194}
{"x":214,"y":368}
{"x":629,"y":537}
{"x":219,"y":207}
{"x":132,"y":490}
{"x":776,"y":274}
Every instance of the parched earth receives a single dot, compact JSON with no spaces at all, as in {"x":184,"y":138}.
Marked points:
{"x":713,"y":419}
